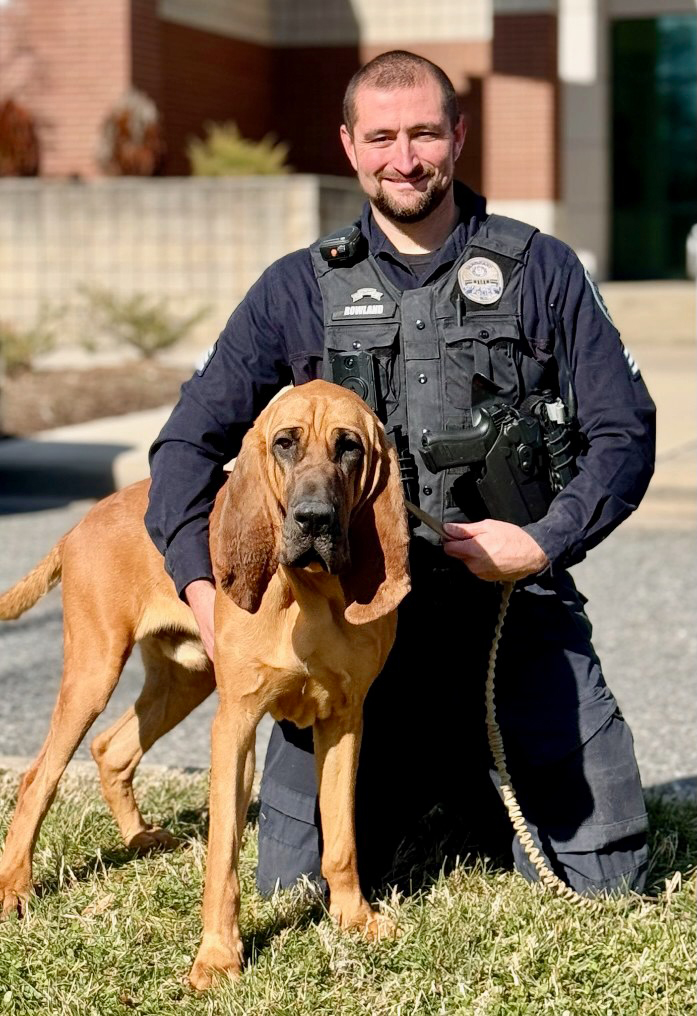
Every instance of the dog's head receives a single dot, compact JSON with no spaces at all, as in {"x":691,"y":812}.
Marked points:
{"x":316,"y":485}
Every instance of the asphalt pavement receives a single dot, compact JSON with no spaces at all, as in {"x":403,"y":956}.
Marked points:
{"x":640,"y":584}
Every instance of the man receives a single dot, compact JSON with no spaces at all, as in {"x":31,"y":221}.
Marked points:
{"x":436,"y":293}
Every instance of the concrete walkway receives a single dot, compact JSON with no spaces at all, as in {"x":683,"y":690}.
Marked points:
{"x":92,"y":459}
{"x":642,"y":596}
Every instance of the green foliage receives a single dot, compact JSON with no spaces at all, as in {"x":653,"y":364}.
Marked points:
{"x":19,"y":347}
{"x":139,"y":321}
{"x":224,"y":152}
{"x":111,"y":932}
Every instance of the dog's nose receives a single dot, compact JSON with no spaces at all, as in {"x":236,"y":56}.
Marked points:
{"x":314,"y":517}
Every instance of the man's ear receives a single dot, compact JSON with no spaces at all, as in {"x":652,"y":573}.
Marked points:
{"x":459,"y":135}
{"x":246,"y":552}
{"x":349,"y":147}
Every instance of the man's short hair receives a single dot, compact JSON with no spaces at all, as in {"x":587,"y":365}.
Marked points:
{"x":399,"y":69}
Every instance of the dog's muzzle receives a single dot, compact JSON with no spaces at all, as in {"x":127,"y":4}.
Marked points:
{"x":313,"y":534}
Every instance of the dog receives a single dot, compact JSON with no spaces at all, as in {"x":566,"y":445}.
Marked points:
{"x":309,"y":542}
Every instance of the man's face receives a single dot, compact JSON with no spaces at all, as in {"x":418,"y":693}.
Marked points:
{"x":403,"y":149}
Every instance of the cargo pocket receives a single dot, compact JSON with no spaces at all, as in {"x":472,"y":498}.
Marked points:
{"x":481,"y":347}
{"x":289,"y":837}
{"x":289,"y":849}
{"x":588,"y":812}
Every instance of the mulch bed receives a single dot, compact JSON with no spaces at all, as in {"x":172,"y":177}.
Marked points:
{"x":42,"y":399}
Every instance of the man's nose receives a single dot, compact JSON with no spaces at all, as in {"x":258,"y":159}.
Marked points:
{"x":404,"y":157}
{"x":314,"y":518}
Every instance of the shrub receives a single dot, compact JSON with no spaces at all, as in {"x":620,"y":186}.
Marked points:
{"x":224,"y":152}
{"x":19,"y":144}
{"x":140,"y":321}
{"x":130,"y":140}
{"x":19,"y":347}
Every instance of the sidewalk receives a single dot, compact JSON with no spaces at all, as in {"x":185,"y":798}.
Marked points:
{"x":641,"y":593}
{"x":92,"y":459}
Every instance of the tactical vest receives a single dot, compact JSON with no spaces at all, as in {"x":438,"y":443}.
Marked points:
{"x":429,"y":342}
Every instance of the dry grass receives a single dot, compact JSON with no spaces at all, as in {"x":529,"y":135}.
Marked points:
{"x":110,"y":933}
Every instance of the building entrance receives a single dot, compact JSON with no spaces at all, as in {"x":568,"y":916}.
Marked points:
{"x":654,"y":145}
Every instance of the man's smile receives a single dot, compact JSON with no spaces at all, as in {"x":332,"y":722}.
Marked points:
{"x":407,"y":182}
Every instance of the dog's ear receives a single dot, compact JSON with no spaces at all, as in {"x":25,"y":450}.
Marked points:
{"x":246,"y":553}
{"x":379,"y":541}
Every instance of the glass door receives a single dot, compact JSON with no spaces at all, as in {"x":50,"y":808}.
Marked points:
{"x":653,"y":145}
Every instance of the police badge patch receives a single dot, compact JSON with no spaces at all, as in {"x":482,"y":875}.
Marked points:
{"x":481,"y":281}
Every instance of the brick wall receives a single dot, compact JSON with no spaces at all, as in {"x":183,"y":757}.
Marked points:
{"x":309,"y":85}
{"x":308,"y":89}
{"x":145,"y":42}
{"x":520,"y":109}
{"x":68,"y":62}
{"x":211,"y":77}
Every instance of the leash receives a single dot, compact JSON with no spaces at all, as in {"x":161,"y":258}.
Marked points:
{"x":520,"y":827}
{"x":535,"y":856}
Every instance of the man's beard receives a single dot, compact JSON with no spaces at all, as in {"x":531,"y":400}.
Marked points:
{"x":421,"y":207}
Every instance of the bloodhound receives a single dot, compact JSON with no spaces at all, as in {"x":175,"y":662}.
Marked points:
{"x":309,"y":542}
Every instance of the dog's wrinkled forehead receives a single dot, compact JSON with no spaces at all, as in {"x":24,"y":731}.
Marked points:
{"x":318,"y":409}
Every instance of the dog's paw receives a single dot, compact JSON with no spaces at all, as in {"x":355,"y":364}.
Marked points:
{"x":380,"y":928}
{"x":214,"y":958}
{"x":153,"y":838}
{"x":373,"y":925}
{"x":14,"y":894}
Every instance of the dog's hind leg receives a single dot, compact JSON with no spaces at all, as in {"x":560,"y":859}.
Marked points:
{"x":93,"y":663}
{"x":170,"y":692}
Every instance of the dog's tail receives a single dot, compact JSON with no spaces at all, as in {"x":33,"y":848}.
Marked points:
{"x":25,"y":593}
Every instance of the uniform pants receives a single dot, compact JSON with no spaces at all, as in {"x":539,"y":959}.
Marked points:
{"x":426,"y":774}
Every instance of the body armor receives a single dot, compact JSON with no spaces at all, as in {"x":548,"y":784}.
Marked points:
{"x":430,"y":342}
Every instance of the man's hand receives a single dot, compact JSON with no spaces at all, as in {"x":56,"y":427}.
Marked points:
{"x":200,"y":595}
{"x":495,"y":551}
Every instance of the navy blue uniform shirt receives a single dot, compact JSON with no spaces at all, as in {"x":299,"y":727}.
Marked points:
{"x":275,"y":337}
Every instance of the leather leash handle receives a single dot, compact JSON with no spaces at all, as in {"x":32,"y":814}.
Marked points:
{"x":428,"y":520}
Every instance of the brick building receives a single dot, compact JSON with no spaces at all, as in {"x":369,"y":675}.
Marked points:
{"x":569,"y":102}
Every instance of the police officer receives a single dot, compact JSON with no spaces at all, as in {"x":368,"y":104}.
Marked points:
{"x":437,"y":292}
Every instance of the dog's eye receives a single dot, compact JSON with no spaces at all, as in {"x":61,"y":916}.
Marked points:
{"x":286,"y":445}
{"x":349,"y":445}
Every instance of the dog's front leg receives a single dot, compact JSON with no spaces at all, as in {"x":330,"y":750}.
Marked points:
{"x":337,"y":744}
{"x":232,"y":773}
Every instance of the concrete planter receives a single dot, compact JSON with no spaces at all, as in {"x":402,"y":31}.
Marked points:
{"x":196,"y":241}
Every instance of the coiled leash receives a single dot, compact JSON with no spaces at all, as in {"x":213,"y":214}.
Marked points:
{"x":535,"y":856}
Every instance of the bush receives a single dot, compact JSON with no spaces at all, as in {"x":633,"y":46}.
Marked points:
{"x":19,"y":347}
{"x":130,"y":139}
{"x":140,"y":321}
{"x":19,"y":144}
{"x":224,"y":152}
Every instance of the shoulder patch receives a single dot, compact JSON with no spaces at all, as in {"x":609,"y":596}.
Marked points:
{"x":206,"y":359}
{"x":631,"y":363}
{"x":597,"y":296}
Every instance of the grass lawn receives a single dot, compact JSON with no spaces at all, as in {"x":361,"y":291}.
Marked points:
{"x":111,"y":933}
